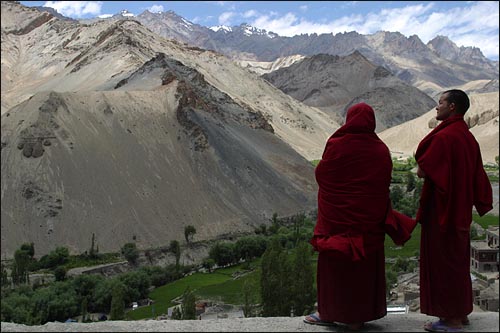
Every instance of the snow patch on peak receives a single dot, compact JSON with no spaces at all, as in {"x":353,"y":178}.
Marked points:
{"x":221,"y":27}
{"x":125,"y":12}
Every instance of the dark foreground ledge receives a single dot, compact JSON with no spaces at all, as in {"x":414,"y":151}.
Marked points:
{"x":412,"y":322}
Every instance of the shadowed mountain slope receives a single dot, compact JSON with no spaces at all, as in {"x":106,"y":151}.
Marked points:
{"x":334,"y":83}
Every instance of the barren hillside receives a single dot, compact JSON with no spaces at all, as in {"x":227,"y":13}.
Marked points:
{"x":110,"y":129}
{"x":482,"y":118}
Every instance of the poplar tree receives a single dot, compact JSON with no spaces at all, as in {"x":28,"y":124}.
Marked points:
{"x":303,"y":293}
{"x":188,"y":305}
{"x":275,"y":281}
{"x":248,"y":294}
{"x":175,"y":248}
{"x":117,"y":311}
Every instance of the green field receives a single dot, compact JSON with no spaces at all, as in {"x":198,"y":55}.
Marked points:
{"x":485,"y":220}
{"x":164,"y":295}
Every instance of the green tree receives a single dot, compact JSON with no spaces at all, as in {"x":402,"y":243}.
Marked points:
{"x":84,"y":309}
{"x":401,"y":265}
{"x":85,"y":284}
{"x":275,"y":225}
{"x":157,"y":275}
{"x":189,"y":232}
{"x":103,"y":294}
{"x":188,"y":305}
{"x":60,"y":273}
{"x":93,"y":252}
{"x":130,"y":252}
{"x":29,"y":248}
{"x":22,"y":258}
{"x":223,"y":253}
{"x":396,"y":195}
{"x":55,"y":258}
{"x":117,"y":303}
{"x":410,"y":181}
{"x":411,"y":161}
{"x":58,"y":301}
{"x":136,"y":284}
{"x":5,"y":278}
{"x":175,"y":248}
{"x":298,"y":222}
{"x":275,"y":281}
{"x":303,"y":293}
{"x":208,"y":263}
{"x":17,"y":306}
{"x":249,"y":300}
{"x":14,"y":277}
{"x":249,"y":247}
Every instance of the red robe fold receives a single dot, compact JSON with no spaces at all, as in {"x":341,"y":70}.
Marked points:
{"x":354,"y":214}
{"x":455,"y":180}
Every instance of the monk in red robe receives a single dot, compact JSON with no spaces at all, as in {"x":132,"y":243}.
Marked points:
{"x":354,"y":214}
{"x":449,"y":160}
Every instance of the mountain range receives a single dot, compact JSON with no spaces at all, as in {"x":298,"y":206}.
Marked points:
{"x":439,"y":61}
{"x":114,"y":128}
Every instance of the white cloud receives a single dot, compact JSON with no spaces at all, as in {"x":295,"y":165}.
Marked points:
{"x":303,"y":8}
{"x":475,"y":25}
{"x":156,"y":8}
{"x":250,"y":13}
{"x":76,"y":8}
{"x":225,"y":18}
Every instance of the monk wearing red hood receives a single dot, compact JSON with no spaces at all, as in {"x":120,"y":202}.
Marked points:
{"x":449,"y":160}
{"x":354,"y":214}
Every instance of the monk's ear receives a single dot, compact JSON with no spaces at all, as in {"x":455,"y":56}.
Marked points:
{"x":453,"y":107}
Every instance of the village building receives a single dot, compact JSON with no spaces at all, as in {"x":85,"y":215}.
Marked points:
{"x":484,"y":253}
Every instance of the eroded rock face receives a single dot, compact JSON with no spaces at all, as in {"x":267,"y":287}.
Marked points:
{"x":36,"y":137}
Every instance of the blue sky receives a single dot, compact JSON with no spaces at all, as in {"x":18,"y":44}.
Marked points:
{"x":467,"y":23}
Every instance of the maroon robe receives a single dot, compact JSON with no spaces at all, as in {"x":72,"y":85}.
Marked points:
{"x":455,"y":180}
{"x":354,"y":213}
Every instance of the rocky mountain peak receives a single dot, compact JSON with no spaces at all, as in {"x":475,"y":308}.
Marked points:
{"x":443,"y":46}
{"x":398,"y":43}
{"x":448,"y":50}
{"x":249,"y":30}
